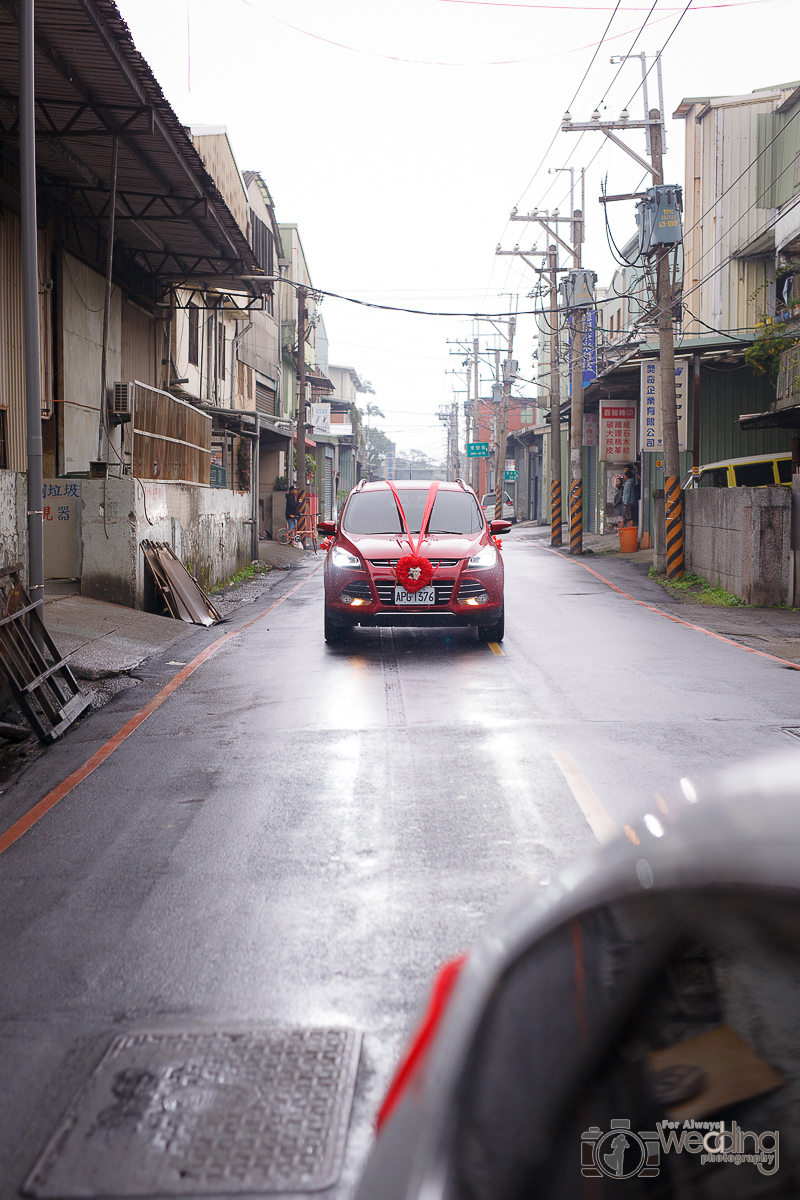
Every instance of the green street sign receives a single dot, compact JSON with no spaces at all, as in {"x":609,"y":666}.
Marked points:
{"x":478,"y":450}
{"x":512,"y":476}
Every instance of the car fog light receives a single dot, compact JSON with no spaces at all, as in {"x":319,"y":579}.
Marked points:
{"x":355,"y":602}
{"x":481,"y":598}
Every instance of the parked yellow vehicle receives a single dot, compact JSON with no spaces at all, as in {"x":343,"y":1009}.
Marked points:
{"x":757,"y":470}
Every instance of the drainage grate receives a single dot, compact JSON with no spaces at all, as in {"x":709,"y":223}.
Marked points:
{"x":188,"y":1114}
{"x":792,"y":730}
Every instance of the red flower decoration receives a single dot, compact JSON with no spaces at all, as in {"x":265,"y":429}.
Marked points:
{"x":413,"y":572}
{"x":498,"y":542}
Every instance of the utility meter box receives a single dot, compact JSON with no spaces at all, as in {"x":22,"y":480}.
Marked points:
{"x":659,"y":218}
{"x":510,"y":370}
{"x":577,"y":289}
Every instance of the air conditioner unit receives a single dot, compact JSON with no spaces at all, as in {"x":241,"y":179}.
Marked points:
{"x":122,"y":400}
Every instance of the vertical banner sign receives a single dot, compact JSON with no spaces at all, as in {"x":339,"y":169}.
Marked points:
{"x":652,"y":436}
{"x":617,"y":431}
{"x":590,"y":429}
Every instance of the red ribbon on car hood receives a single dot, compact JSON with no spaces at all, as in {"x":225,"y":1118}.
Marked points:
{"x":413,"y":571}
{"x":423,"y":527}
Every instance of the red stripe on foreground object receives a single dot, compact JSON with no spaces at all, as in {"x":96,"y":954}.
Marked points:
{"x":784,"y":662}
{"x":422,"y":1037}
{"x":71,"y":782}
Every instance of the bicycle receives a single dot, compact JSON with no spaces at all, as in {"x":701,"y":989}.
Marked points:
{"x":296,"y":537}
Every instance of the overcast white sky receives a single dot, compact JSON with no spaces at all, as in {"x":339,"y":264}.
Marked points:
{"x":401,"y":174}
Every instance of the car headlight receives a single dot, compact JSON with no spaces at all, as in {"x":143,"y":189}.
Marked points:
{"x":343,"y":558}
{"x":487,"y":557}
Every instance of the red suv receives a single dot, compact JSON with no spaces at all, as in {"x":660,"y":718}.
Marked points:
{"x":414,"y":553}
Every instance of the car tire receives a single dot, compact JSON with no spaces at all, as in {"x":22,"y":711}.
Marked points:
{"x":496,"y":632}
{"x":333,"y":633}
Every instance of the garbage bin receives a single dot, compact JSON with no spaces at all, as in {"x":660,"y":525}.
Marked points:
{"x":628,"y":539}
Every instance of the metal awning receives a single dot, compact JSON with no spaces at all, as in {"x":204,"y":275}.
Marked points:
{"x":92,"y":86}
{"x":787,"y":417}
{"x":320,"y":383}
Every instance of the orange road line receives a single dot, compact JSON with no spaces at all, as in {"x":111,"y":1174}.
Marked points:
{"x":784,"y":662}
{"x":83,"y":772}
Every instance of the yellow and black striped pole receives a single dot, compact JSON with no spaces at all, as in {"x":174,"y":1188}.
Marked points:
{"x":555,"y":513}
{"x":674,"y":506}
{"x":576,"y":516}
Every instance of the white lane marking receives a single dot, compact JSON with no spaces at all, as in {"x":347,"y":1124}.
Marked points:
{"x":589,"y":803}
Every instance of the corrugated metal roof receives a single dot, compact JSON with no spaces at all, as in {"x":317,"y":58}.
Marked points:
{"x":92,"y":82}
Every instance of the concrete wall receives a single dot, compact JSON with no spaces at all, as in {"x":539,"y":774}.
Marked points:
{"x":81,"y":299}
{"x":13,"y":519}
{"x":204,"y":526}
{"x":740,"y":539}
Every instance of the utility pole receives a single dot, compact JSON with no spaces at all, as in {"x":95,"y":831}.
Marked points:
{"x":475,"y":413}
{"x":653,"y":124}
{"x":302,"y":495}
{"x":669,"y":407}
{"x":556,"y":517}
{"x":30,"y":305}
{"x":508,"y":369}
{"x":550,"y":225}
{"x":576,"y":444}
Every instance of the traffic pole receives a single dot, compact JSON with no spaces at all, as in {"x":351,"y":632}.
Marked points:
{"x":300,"y":441}
{"x":556,"y":517}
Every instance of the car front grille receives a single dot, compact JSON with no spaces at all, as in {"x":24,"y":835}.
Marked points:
{"x":443,"y":591}
{"x":470,"y":587}
{"x":358,"y":590}
{"x":438,"y":562}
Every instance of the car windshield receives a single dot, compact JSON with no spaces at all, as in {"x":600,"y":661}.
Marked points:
{"x":376,"y":512}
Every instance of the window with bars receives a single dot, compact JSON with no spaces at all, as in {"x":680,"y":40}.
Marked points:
{"x":194,"y":334}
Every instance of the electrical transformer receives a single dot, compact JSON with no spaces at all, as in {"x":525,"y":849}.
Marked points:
{"x":659,"y":218}
{"x":577,"y":289}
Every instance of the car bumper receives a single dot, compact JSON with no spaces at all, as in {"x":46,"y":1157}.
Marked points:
{"x":458,"y":600}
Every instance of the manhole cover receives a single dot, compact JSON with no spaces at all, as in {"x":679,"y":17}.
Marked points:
{"x":202,"y":1114}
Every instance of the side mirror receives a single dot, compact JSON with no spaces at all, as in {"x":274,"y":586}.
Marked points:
{"x":499,"y":526}
{"x":326,"y":527}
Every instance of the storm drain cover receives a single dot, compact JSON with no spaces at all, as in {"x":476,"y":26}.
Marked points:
{"x":188,"y":1114}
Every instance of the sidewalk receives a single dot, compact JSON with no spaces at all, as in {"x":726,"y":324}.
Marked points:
{"x":774,"y":631}
{"x":105,"y":643}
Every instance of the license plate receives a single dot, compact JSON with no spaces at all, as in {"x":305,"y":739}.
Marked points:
{"x":425,"y":595}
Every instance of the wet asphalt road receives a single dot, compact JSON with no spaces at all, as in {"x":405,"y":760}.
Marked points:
{"x":301,"y":834}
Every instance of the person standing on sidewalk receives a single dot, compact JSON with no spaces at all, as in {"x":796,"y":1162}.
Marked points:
{"x":292,"y":509}
{"x":628,"y":496}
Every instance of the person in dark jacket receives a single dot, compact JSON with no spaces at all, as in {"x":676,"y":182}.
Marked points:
{"x":292,"y":508}
{"x":629,"y":502}
{"x":618,"y":507}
